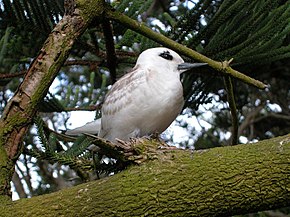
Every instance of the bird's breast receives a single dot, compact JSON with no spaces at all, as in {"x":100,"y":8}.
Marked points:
{"x":161,"y":102}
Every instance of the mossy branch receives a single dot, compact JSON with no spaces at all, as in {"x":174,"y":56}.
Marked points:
{"x":145,"y":31}
{"x":217,"y":182}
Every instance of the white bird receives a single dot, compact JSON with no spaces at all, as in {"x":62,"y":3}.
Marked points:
{"x":144,"y":101}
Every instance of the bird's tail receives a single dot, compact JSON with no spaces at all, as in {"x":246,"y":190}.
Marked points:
{"x":90,"y":127}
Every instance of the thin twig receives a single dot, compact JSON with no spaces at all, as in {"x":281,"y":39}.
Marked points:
{"x":84,"y":108}
{"x":82,"y":62}
{"x":232,"y":105}
{"x":110,"y":49}
{"x":12,"y":75}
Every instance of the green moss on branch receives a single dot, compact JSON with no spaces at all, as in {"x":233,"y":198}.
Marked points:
{"x":216,"y":182}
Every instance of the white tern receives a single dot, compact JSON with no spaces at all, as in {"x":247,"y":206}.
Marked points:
{"x":145,"y":100}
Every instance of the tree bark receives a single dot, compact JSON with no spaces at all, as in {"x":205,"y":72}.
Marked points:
{"x":215,"y":182}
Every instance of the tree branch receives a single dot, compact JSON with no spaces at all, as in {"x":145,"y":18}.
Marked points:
{"x":217,"y":182}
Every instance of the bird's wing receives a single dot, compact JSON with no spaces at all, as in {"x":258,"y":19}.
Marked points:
{"x":120,"y":95}
{"x":118,"y":98}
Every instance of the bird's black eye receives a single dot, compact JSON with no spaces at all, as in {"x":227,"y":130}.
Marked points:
{"x":166,"y":55}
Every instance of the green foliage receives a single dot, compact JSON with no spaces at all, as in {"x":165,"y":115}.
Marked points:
{"x":72,"y":157}
{"x":133,"y":9}
{"x":39,"y":14}
{"x":78,"y":155}
{"x":51,"y":104}
{"x":41,"y":135}
{"x":4,"y":43}
{"x":251,"y":32}
{"x":79,"y":146}
{"x":74,"y":97}
{"x":24,"y":25}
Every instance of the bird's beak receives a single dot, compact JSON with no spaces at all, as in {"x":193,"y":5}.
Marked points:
{"x":187,"y":66}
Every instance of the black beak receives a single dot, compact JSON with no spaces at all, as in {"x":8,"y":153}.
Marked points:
{"x":187,"y":66}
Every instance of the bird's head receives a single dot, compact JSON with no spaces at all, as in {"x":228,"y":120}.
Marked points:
{"x":164,"y":58}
